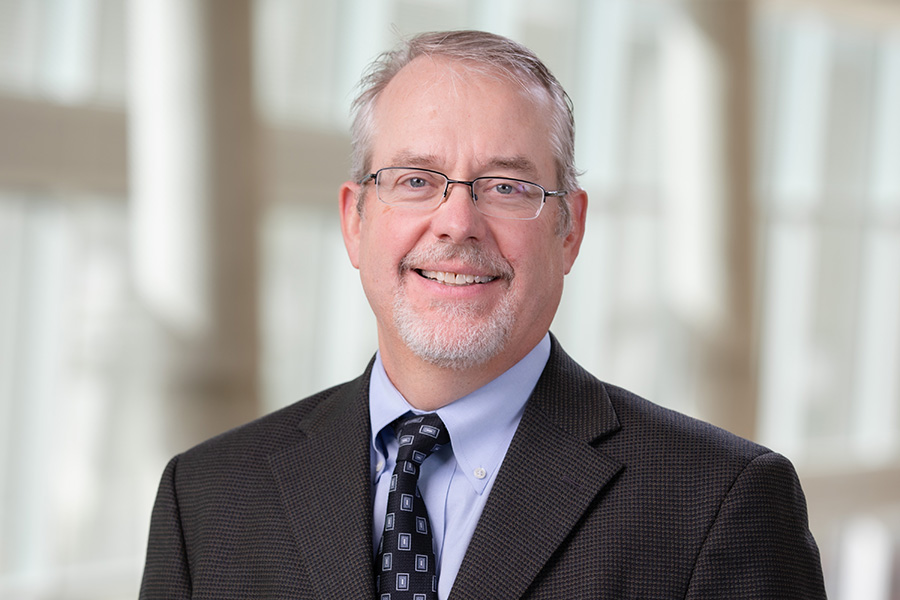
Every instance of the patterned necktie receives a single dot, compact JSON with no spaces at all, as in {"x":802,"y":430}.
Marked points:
{"x":405,"y":564}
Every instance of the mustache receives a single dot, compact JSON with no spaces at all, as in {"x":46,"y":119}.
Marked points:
{"x":483,"y":260}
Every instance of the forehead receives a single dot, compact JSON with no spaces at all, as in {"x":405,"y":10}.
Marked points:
{"x":452,"y":110}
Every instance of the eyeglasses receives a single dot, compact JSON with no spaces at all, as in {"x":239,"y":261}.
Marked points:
{"x":500,"y":197}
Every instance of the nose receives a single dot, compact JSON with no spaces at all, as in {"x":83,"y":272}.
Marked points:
{"x":456,"y":219}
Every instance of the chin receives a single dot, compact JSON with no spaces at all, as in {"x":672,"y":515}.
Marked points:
{"x":453,"y":336}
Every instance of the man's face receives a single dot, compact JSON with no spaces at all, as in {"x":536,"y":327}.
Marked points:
{"x":449,"y":285}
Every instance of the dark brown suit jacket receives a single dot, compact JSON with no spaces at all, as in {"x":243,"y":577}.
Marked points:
{"x":601,"y":495}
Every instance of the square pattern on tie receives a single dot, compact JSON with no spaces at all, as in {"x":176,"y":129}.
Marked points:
{"x":405,"y":567}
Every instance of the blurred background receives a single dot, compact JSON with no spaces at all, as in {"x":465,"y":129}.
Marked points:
{"x":171,"y":263}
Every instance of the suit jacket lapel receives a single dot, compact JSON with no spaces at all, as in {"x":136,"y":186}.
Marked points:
{"x":549,"y":477}
{"x":325,"y":486}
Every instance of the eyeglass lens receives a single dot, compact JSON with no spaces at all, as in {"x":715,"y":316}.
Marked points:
{"x":494,"y":196}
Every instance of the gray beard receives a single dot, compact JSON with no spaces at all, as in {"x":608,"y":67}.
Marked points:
{"x":461,"y":337}
{"x":459,"y":340}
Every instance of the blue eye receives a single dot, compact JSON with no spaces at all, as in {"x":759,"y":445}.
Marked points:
{"x":416,"y":181}
{"x":406,"y":185}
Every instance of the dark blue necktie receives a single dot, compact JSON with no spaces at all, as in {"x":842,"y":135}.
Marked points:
{"x":405,"y":566}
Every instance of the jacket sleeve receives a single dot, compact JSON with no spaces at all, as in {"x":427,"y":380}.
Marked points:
{"x":166,"y":571}
{"x":759,"y":545}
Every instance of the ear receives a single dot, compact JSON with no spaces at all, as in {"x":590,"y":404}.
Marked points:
{"x":578,"y":201}
{"x":351,"y":220}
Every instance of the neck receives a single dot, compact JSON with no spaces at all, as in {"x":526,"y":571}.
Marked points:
{"x":429,"y":387}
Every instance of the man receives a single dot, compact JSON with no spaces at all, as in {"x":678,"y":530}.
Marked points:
{"x":463,"y":217}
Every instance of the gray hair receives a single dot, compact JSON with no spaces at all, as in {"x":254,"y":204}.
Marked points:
{"x":479,"y":50}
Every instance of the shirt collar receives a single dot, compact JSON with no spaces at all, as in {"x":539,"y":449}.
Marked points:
{"x":481,"y":424}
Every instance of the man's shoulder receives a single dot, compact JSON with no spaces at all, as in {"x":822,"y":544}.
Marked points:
{"x":631,"y":421}
{"x":643,"y":414}
{"x":693,"y":454}
{"x":258,"y":439}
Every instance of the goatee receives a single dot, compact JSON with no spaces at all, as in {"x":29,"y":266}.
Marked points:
{"x":457,"y":335}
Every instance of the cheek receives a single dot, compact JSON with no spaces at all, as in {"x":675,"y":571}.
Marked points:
{"x":381,"y":249}
{"x":371,"y":271}
{"x":538,"y":254}
{"x":540,"y":271}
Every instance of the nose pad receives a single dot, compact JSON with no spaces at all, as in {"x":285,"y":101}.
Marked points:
{"x":470,"y":191}
{"x":459,"y":220}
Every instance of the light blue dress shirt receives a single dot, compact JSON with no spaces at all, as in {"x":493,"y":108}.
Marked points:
{"x":456,"y":480}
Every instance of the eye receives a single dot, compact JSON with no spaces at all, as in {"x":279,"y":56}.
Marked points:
{"x":416,"y":181}
{"x":509,"y":187}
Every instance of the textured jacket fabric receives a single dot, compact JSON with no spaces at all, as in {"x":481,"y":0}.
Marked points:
{"x":601,"y":495}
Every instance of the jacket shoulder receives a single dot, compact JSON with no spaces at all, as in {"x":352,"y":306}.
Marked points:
{"x":644,"y":421}
{"x":246,"y":445}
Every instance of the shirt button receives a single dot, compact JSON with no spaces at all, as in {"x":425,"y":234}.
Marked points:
{"x":480,"y":473}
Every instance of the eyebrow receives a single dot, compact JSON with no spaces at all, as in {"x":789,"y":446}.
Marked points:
{"x":519,"y":164}
{"x":410,"y":159}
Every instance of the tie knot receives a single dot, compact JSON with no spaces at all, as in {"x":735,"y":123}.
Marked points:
{"x":419,"y":436}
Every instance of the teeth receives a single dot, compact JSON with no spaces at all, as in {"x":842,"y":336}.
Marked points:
{"x":456,"y":278}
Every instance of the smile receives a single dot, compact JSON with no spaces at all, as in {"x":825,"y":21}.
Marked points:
{"x":455,"y":278}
